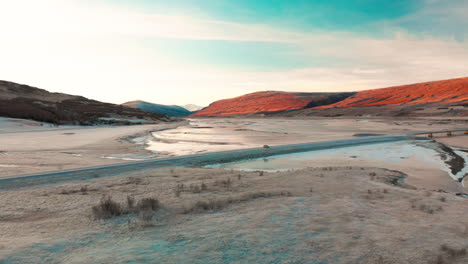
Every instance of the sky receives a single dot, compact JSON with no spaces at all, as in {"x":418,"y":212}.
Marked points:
{"x":199,"y":51}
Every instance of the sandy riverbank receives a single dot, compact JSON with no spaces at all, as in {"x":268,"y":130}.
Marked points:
{"x":331,"y":214}
{"x":221,"y":134}
{"x":37,"y":150}
{"x":48,"y":149}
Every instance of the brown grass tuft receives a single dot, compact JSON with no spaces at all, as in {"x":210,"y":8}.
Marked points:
{"x":450,"y":255}
{"x":130,"y":202}
{"x":107,"y":208}
{"x":218,"y":204}
{"x":148,"y":204}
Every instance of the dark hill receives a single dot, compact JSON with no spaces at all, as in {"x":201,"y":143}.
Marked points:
{"x":23,"y":101}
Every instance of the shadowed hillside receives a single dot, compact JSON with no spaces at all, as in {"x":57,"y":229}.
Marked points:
{"x":269,"y":101}
{"x":23,"y":101}
{"x":170,"y":110}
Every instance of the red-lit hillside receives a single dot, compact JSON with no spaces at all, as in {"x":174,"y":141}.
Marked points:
{"x":447,"y":91}
{"x":269,"y":101}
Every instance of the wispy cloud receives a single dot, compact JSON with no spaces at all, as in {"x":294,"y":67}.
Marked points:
{"x":437,"y":18}
{"x":73,"y":18}
{"x":97,"y":51}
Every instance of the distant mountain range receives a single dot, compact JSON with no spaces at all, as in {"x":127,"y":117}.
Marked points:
{"x":437,"y":98}
{"x":192,"y":107}
{"x":395,"y":101}
{"x":23,"y":101}
{"x":170,"y":110}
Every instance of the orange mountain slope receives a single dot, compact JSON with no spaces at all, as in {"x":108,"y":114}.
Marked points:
{"x":446,"y":91}
{"x":269,"y":101}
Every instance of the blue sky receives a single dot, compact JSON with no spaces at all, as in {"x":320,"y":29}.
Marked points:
{"x":303,"y":13}
{"x":198,"y":51}
{"x":362,"y":17}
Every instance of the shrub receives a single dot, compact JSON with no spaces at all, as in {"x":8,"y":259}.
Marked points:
{"x":450,"y":255}
{"x":84,"y":189}
{"x":107,"y":208}
{"x":145,"y":219}
{"x":178,"y":189}
{"x":210,"y":205}
{"x":130,"y":202}
{"x":225,"y":183}
{"x":148,"y":204}
{"x":194,"y":188}
{"x":135,"y":180}
{"x":373,"y":195}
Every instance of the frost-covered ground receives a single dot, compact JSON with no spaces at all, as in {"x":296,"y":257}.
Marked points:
{"x":420,"y":153}
{"x":211,"y":135}
{"x":330,"y":215}
{"x":9,"y":125}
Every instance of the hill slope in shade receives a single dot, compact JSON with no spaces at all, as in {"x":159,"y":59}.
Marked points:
{"x":23,"y":101}
{"x":443,"y":92}
{"x":170,"y":110}
{"x":269,"y":101}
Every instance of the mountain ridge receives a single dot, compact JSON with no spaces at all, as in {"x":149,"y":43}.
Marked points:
{"x":443,"y":92}
{"x":268,"y":101}
{"x":170,"y":110}
{"x":28,"y":102}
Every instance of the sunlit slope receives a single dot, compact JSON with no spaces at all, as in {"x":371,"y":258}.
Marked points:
{"x":269,"y":101}
{"x":446,"y":91}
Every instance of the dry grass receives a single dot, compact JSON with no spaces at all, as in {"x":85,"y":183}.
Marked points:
{"x":374,"y":195}
{"x":148,"y":204}
{"x":450,"y":254}
{"x":193,"y":188}
{"x":178,"y":189}
{"x":82,"y":190}
{"x":145,"y":219}
{"x":221,"y":203}
{"x":224,"y":183}
{"x":108,"y":208}
{"x":130,"y":202}
{"x":425,"y":207}
{"x":137,"y":181}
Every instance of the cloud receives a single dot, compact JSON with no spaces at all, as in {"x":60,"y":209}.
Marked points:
{"x":441,"y":18}
{"x":77,"y":19}
{"x":97,"y":51}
